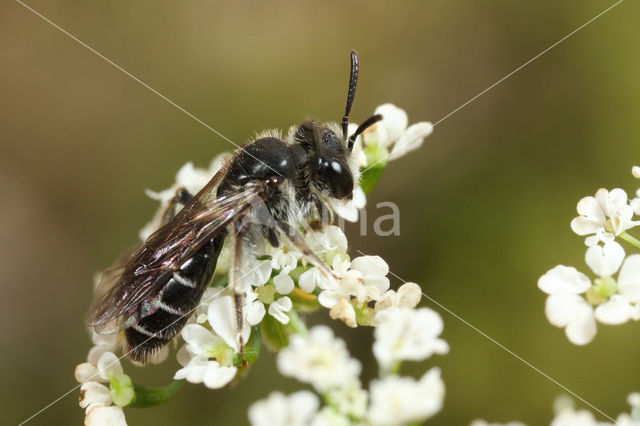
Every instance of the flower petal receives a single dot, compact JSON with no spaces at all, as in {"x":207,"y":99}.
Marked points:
{"x":216,"y":376}
{"x":564,"y":279}
{"x":562,"y":308}
{"x":309,"y":279}
{"x":615,"y":311}
{"x":105,"y":416}
{"x":278,"y":308}
{"x":109,"y":366}
{"x":582,"y":329}
{"x":394,"y":120}
{"x":370,"y":265}
{"x":629,"y":278}
{"x":254,"y":312}
{"x":605,"y":260}
{"x":411,"y":140}
{"x":94,"y":394}
{"x":222,"y":317}
{"x":85,"y":372}
{"x":284,"y":283}
{"x":199,"y":338}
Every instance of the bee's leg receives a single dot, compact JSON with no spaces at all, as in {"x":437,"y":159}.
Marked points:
{"x":325,"y":213}
{"x":297,"y":240}
{"x":235,"y":276}
{"x":182,"y":196}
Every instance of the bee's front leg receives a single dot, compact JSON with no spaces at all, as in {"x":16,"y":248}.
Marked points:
{"x":324,"y":212}
{"x":299,"y":242}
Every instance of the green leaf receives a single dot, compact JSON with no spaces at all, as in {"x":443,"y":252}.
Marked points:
{"x":296,"y":324}
{"x":220,"y":281}
{"x":370,"y":176}
{"x":274,"y":333}
{"x":148,"y":397}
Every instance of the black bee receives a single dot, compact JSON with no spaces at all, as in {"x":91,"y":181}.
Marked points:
{"x":279,"y":184}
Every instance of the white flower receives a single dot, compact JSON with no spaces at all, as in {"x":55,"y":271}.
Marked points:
{"x":94,"y":394}
{"x":284,"y":259}
{"x":407,"y":334}
{"x":222,"y":318}
{"x":359,"y":282}
{"x":565,"y":307}
{"x":397,"y":400}
{"x":388,"y":130}
{"x":364,"y":278}
{"x":349,"y":209}
{"x":408,"y":296}
{"x":605,"y":260}
{"x":328,"y":242}
{"x":206,"y":358}
{"x":330,"y":417}
{"x":254,"y":307}
{"x":296,"y":409}
{"x":604,"y":215}
{"x":349,"y":400}
{"x":279,"y":308}
{"x":284,"y":283}
{"x":623,"y":306}
{"x":480,"y":422}
{"x":102,"y":343}
{"x":635,"y":171}
{"x":571,"y":417}
{"x":618,"y":302}
{"x":564,"y":279}
{"x":200,"y":369}
{"x":105,"y":416}
{"x":208,"y":355}
{"x":318,"y":358}
{"x":392,"y":132}
{"x":254,"y":273}
{"x":635,"y":203}
{"x":96,"y":398}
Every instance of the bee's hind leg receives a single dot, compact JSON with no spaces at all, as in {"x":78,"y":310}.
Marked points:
{"x":182,"y":197}
{"x":236,"y":274}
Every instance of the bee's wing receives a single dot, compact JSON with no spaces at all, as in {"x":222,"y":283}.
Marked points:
{"x":141,"y":272}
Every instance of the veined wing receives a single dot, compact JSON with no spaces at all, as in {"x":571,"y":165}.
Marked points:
{"x":141,"y":272}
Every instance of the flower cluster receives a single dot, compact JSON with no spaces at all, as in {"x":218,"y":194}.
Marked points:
{"x":277,"y":285}
{"x":567,"y":415}
{"x":574,"y":301}
{"x":102,"y":404}
{"x":322,"y":360}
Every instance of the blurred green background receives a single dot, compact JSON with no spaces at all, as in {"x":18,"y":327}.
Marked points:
{"x":485,"y":204}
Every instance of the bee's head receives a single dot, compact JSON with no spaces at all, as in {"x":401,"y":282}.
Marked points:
{"x":331,"y":168}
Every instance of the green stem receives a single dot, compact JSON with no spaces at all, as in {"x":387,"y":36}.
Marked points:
{"x":149,"y":397}
{"x":631,"y":240}
{"x":395,"y":368}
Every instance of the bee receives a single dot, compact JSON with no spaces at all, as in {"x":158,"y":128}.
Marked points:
{"x":266,"y":191}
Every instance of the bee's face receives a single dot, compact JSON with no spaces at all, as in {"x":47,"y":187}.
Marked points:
{"x":330,"y":168}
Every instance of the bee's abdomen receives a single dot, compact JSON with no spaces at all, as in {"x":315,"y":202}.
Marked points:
{"x":179,"y":297}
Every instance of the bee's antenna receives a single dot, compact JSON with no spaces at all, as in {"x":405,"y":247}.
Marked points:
{"x":351,"y":94}
{"x":361,"y":128}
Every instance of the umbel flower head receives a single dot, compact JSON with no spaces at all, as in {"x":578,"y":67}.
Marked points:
{"x":572,"y":295}
{"x":575,"y":302}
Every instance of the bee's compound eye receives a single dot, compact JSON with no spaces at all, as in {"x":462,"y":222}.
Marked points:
{"x":336,"y":176}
